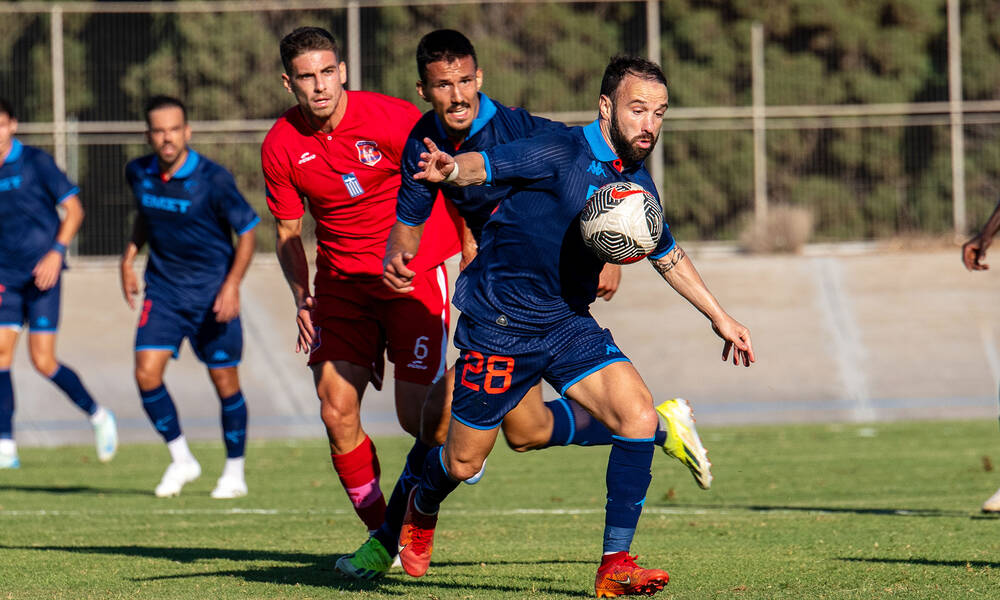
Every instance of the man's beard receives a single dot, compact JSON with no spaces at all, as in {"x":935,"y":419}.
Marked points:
{"x":625,"y":148}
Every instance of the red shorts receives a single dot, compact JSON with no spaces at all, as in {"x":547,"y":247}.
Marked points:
{"x":357,"y":321}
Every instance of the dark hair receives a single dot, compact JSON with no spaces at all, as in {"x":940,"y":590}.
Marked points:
{"x":7,"y":107}
{"x":443,"y":44}
{"x":620,"y":66}
{"x":305,"y":39}
{"x":157,"y":102}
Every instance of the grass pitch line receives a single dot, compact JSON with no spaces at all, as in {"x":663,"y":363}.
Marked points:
{"x":277,"y":512}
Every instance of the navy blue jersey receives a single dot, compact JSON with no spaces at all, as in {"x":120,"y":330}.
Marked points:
{"x":533,"y":269}
{"x":189,"y":220}
{"x":495,"y":124}
{"x":31,"y":186}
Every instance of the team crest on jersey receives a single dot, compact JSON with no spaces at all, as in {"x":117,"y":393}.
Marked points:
{"x":368,"y":152}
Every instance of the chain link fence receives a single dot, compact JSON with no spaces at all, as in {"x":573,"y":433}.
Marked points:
{"x":857,"y":121}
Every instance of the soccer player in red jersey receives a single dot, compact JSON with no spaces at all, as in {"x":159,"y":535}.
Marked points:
{"x":338,"y":152}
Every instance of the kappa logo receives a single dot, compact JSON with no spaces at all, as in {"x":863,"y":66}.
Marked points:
{"x":220,"y":355}
{"x":611,"y":349}
{"x":368,"y":152}
{"x":596,"y":169}
{"x":306,"y":157}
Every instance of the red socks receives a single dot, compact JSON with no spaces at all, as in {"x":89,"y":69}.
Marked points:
{"x":359,"y":472}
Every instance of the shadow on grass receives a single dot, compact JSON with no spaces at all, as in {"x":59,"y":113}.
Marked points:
{"x":926,"y":561}
{"x":75,"y":489}
{"x":888,"y":512}
{"x":316,"y":569}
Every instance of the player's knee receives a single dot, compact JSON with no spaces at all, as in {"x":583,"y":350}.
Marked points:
{"x":463,"y":469}
{"x":44,"y":364}
{"x":147,"y":378}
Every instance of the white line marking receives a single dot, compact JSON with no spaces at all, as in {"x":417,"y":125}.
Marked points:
{"x":848,"y":348}
{"x":990,"y":348}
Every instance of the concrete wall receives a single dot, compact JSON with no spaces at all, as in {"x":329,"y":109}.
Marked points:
{"x":839,"y":336}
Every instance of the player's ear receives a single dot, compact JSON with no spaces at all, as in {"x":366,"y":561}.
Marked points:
{"x":287,"y":82}
{"x":479,"y":79}
{"x":420,"y":90}
{"x":604,"y":107}
{"x":342,"y":67}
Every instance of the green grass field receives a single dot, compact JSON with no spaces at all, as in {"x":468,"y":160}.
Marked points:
{"x":836,"y":511}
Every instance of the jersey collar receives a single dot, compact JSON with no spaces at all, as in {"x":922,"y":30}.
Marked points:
{"x":487,"y":109}
{"x":15,"y":152}
{"x":598,"y":145}
{"x":190,"y":163}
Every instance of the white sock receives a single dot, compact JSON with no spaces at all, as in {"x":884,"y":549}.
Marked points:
{"x":99,"y":416}
{"x":233,"y":469}
{"x":179,"y":451}
{"x":7,"y":446}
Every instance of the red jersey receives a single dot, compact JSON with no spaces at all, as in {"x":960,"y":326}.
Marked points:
{"x":349,"y":179}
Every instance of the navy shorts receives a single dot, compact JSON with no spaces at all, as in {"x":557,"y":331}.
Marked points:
{"x":496,"y":367}
{"x":163,"y":325}
{"x":25,"y":303}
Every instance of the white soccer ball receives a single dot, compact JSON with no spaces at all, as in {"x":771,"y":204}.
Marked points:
{"x":621,"y":223}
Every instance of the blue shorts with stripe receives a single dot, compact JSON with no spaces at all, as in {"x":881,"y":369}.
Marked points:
{"x":496,"y":367}
{"x":163,"y":325}
{"x":23,"y":302}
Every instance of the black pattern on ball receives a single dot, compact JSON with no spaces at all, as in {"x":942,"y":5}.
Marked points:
{"x":621,"y":223}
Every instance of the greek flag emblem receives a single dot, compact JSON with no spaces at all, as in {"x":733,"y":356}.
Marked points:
{"x":353,"y":185}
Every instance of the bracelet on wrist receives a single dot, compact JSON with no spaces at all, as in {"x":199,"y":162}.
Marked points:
{"x":60,"y":248}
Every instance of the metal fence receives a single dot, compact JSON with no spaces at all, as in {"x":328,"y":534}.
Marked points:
{"x":749,"y":125}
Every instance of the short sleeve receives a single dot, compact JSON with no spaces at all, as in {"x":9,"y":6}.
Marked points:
{"x":230,"y":204}
{"x":283,"y":199}
{"x":56,"y":183}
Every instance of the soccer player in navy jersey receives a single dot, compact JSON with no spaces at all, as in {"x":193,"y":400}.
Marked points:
{"x":525,"y":312}
{"x":466,"y":119}
{"x":187,"y":210}
{"x":33,"y":244}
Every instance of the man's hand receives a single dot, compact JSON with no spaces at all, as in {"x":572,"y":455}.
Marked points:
{"x":437,"y":165}
{"x":973,"y":253}
{"x":737,"y":339}
{"x":47,"y":270}
{"x":227,"y":303}
{"x":397,"y":275}
{"x":607,"y":284}
{"x":304,"y":321}
{"x":130,"y":284}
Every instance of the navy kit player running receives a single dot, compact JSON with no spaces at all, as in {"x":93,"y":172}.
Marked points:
{"x":188,"y":209}
{"x":525,"y":312}
{"x":33,"y":244}
{"x":464,"y":118}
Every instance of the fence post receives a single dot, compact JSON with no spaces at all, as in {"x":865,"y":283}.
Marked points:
{"x":759,"y":124}
{"x":58,"y":86}
{"x":655,"y":161}
{"x":957,"y":118}
{"x":353,"y":45}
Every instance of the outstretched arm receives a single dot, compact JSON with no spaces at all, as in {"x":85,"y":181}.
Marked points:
{"x":974,"y":250}
{"x":678,"y":270}
{"x":439,"y":167}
